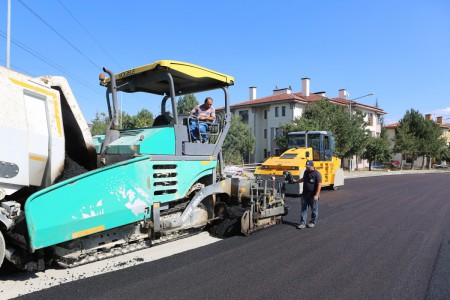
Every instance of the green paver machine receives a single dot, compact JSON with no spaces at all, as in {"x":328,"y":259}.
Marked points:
{"x":152,"y":184}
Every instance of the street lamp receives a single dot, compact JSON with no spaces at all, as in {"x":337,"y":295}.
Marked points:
{"x":352,"y":100}
{"x":350,"y":113}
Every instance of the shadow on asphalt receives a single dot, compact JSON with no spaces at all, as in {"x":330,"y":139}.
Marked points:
{"x":293,"y":224}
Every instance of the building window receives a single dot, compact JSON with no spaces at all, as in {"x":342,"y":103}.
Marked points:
{"x":370,"y":119}
{"x":283,"y":111}
{"x":244,"y":116}
{"x":326,"y":142}
{"x":276,"y":111}
{"x":265,"y":114}
{"x":265,"y":153}
{"x":278,"y":132}
{"x":265,"y":133}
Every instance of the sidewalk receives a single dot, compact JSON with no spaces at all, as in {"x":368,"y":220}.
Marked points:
{"x":358,"y":174}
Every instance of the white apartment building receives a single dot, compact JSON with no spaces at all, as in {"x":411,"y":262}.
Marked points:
{"x":265,"y":115}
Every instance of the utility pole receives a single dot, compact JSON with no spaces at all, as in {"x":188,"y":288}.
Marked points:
{"x":8,"y":36}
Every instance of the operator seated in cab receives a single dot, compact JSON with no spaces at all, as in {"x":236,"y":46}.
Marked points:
{"x":197,"y":126}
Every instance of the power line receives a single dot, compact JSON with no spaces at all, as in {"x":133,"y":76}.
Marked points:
{"x":34,"y":75}
{"x":60,"y":35}
{"x":50,"y":63}
{"x":89,"y":34}
{"x":17,"y":68}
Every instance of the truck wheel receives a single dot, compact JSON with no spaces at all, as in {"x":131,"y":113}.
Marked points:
{"x":2,"y":249}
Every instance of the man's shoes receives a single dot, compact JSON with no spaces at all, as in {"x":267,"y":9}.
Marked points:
{"x":198,"y":141}
{"x":301,"y":226}
{"x":311,"y":225}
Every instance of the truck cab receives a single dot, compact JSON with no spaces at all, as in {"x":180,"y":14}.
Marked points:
{"x":320,"y":142}
{"x":317,"y":146}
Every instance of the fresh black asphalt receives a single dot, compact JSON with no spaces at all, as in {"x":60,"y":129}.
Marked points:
{"x":377,"y":238}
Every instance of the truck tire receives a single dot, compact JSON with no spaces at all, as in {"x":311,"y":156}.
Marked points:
{"x":2,"y":249}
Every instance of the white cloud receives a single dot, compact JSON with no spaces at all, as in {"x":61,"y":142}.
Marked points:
{"x":444,"y":112}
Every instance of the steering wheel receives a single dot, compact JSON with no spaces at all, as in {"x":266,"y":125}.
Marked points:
{"x":128,"y":125}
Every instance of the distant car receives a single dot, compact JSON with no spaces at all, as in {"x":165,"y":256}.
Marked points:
{"x":441,"y":166}
{"x":393,"y":164}
{"x":377,"y":167}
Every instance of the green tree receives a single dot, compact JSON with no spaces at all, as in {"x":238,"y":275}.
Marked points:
{"x":143,"y":118}
{"x":239,"y":142}
{"x":446,"y":154}
{"x":349,"y":132}
{"x":99,"y":123}
{"x":377,"y":150}
{"x":232,"y":157}
{"x":405,"y":143}
{"x":409,"y":136}
{"x":186,"y":103}
{"x":417,"y":137}
{"x":125,"y":119}
{"x":432,"y":144}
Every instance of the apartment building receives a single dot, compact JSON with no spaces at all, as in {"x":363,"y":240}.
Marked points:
{"x":265,"y":115}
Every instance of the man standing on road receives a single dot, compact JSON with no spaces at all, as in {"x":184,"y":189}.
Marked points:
{"x":312,"y":184}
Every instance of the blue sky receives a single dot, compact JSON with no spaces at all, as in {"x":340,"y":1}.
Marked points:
{"x":398,"y":50}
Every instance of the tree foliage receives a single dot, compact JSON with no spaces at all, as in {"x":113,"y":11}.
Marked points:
{"x":232,"y":157}
{"x":415,"y":136}
{"x":101,"y":121}
{"x":239,"y":142}
{"x":349,"y":131}
{"x":377,"y":150}
{"x":186,"y":103}
{"x":407,"y":135}
{"x":433,"y":143}
{"x":143,"y":118}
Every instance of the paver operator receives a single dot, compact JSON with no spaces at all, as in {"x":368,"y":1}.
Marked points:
{"x":204,"y":112}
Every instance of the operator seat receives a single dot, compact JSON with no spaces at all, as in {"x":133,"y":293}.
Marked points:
{"x":164,"y":119}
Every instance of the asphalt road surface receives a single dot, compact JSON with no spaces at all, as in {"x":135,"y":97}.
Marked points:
{"x":377,"y":238}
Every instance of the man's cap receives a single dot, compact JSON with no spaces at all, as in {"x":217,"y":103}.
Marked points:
{"x":309,"y":163}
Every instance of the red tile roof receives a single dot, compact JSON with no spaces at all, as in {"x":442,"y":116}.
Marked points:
{"x":394,"y":125}
{"x":270,"y":99}
{"x":297,"y":97}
